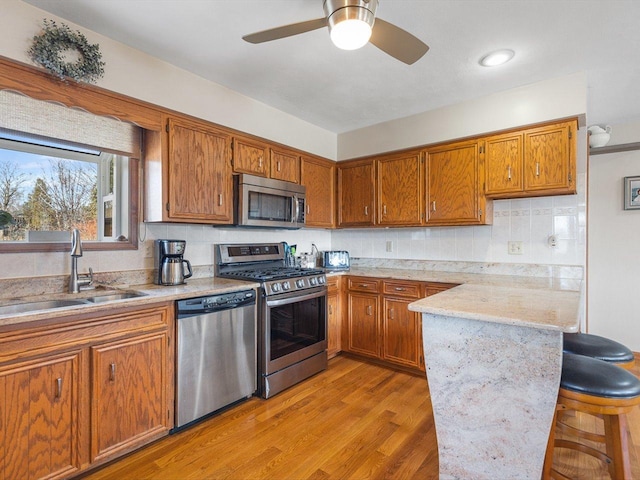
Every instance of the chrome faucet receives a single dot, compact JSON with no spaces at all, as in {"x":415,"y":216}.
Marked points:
{"x":77,"y":281}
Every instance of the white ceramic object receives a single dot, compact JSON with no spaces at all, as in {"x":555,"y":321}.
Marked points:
{"x":599,"y":136}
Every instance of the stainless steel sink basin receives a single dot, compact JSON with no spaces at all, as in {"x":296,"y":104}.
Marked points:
{"x":35,"y":306}
{"x":114,"y":296}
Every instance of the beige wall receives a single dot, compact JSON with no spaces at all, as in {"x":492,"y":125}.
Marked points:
{"x":538,"y":102}
{"x":613,"y":253}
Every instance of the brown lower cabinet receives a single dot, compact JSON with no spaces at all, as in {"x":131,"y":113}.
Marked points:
{"x":83,"y":390}
{"x":377,"y":322}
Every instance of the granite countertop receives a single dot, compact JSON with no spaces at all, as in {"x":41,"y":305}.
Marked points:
{"x":537,"y":302}
{"x":152,"y":294}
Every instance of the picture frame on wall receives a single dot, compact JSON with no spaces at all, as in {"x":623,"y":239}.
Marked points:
{"x":632,"y":193}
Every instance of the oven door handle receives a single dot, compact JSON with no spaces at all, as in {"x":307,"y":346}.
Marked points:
{"x":295,"y":298}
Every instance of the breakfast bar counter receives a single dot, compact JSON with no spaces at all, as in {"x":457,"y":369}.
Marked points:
{"x":494,"y":357}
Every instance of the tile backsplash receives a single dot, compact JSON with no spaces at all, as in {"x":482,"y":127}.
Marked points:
{"x":530,"y":221}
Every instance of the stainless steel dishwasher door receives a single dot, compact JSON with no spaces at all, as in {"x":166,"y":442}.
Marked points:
{"x":216,"y":353}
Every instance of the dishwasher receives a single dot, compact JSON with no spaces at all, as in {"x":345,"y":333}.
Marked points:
{"x":216,"y":358}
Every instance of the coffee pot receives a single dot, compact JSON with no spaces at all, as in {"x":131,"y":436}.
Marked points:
{"x":170,"y":263}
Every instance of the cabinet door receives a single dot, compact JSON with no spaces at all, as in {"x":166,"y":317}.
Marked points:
{"x":200,"y":181}
{"x":363,"y":333}
{"x":453,"y":182}
{"x":250,"y":156}
{"x":129,"y":402}
{"x":356,"y":192}
{"x":400,"y":189}
{"x":285,"y":165}
{"x":39,"y":419}
{"x":401,"y":331}
{"x":319,"y":178}
{"x":549,"y":160}
{"x":503,"y":161}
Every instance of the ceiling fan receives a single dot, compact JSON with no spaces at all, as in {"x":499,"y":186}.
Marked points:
{"x":353,"y":23}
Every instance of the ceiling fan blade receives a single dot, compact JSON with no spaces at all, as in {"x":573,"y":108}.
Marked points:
{"x":397,"y":42}
{"x":285,"y":31}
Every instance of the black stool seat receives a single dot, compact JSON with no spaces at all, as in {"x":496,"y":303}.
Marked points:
{"x":596,"y":346}
{"x":598,"y":378}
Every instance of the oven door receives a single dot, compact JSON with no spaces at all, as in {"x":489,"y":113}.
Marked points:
{"x":294,"y":328}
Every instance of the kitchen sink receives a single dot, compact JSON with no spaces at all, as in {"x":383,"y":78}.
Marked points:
{"x":34,"y":306}
{"x":110,"y":297}
{"x":27,"y":307}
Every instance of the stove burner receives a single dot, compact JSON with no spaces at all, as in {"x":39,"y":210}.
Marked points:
{"x":274,"y":273}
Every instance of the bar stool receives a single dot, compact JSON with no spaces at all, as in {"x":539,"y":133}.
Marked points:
{"x":595,"y":387}
{"x":598,"y":347}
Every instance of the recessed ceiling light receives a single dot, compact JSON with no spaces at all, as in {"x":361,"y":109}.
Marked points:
{"x":496,"y":58}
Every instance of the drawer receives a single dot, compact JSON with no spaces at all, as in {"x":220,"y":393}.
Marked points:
{"x":364,"y":284}
{"x":402,"y":289}
{"x":433,"y":288}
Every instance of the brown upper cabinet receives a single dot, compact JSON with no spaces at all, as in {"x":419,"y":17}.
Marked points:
{"x":194,"y":184}
{"x":251,"y":156}
{"x":319,"y":178}
{"x":262,"y":159}
{"x":533,"y":162}
{"x":454,"y":197}
{"x":356,"y":193}
{"x":400,"y":189}
{"x":285,"y":165}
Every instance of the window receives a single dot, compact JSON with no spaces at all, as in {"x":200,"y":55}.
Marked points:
{"x":63,"y":168}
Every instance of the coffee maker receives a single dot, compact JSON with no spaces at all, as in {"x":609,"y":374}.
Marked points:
{"x":169,"y":262}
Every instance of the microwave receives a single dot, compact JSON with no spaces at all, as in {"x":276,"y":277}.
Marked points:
{"x":268,"y":203}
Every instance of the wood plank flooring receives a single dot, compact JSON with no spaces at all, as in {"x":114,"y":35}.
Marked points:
{"x":353,"y":421}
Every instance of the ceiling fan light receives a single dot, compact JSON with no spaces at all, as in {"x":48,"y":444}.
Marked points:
{"x":350,"y":27}
{"x":496,"y":58}
{"x":351,"y":34}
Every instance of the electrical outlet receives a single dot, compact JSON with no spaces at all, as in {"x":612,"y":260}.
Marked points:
{"x":515,"y":248}
{"x":389,"y":246}
{"x":148,"y":249}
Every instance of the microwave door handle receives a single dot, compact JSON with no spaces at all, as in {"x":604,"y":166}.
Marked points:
{"x":294,"y":219}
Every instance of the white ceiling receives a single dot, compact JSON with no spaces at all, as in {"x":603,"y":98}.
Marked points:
{"x":340,"y":91}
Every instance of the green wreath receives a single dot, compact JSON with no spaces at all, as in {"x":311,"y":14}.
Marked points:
{"x":48,"y":48}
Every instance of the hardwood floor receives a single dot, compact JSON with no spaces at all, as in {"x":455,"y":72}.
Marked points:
{"x":353,"y":421}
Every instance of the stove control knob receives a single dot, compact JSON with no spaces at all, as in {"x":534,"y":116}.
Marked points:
{"x":300,"y":283}
{"x":321,"y":280}
{"x":275,"y":287}
{"x":286,"y":285}
{"x":313,"y":281}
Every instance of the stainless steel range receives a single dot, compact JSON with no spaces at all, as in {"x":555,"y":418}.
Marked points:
{"x":292,"y":312}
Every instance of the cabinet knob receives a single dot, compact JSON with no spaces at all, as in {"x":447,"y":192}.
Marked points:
{"x":219,"y":199}
{"x":366,"y":210}
{"x":369,"y":310}
{"x":278,"y":165}
{"x":112,"y":372}
{"x":260,"y":162}
{"x":330,"y":310}
{"x":509,"y":172}
{"x":433,"y":206}
{"x":391,"y":313}
{"x":384,"y":209}
{"x":308,"y":209}
{"x":537,"y":169}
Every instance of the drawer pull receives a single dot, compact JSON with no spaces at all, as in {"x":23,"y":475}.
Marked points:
{"x":112,"y":372}
{"x":364,"y":285}
{"x":330,"y":310}
{"x":400,"y":289}
{"x":58,"y":387}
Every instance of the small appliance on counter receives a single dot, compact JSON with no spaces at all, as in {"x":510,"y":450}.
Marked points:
{"x":336,"y":260}
{"x":169,"y":262}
